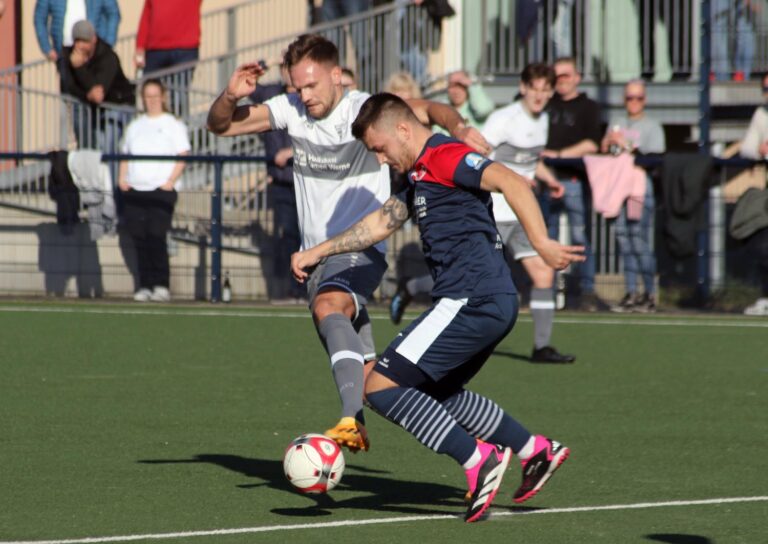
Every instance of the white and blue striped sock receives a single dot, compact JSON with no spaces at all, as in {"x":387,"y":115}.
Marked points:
{"x":426,"y":419}
{"x":484,"y":419}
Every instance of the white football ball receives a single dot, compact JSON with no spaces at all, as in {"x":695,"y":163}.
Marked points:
{"x":313,"y":463}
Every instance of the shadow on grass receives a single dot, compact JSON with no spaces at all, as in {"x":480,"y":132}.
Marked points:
{"x":670,"y":538}
{"x":511,"y":355}
{"x":375,"y":491}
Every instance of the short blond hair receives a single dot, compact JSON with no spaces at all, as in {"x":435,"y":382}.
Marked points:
{"x":401,"y":83}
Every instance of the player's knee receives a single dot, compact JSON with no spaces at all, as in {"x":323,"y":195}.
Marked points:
{"x":542,"y":276}
{"x":332,"y":302}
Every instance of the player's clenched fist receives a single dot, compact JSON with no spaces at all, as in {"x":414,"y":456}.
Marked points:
{"x":243,"y":80}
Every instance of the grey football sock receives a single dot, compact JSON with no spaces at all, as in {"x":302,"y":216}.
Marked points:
{"x":346,"y":353}
{"x":543,"y":312}
{"x":420,"y":284}
{"x":364,"y":330}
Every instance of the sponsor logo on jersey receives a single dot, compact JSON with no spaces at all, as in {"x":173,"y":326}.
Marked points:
{"x":474,"y":160}
{"x":420,"y":204}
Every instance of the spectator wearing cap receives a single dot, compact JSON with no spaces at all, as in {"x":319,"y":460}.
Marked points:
{"x":94,"y":76}
{"x":169,"y":35}
{"x":54,"y":19}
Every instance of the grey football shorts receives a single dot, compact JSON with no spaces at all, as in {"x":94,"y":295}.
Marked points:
{"x":513,"y":236}
{"x":359,"y":273}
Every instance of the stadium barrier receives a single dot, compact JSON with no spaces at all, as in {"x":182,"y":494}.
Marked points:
{"x":215,"y":219}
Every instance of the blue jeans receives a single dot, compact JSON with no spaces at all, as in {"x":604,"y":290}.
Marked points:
{"x":634,"y":239}
{"x":360,"y":34}
{"x":160,"y":59}
{"x":733,"y":39}
{"x":575,"y":204}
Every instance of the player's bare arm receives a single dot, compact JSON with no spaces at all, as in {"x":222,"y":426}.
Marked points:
{"x":435,"y":113}
{"x":518,"y":194}
{"x":226,"y":118}
{"x":371,"y":229}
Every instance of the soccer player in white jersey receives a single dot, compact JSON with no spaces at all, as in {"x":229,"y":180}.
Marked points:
{"x":338,"y":182}
{"x":518,"y":134}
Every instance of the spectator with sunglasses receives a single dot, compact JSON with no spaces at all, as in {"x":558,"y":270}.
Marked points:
{"x":635,"y":132}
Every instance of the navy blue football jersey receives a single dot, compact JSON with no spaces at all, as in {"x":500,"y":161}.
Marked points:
{"x":463,"y":249}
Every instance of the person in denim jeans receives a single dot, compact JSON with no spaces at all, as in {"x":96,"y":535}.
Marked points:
{"x":733,"y":39}
{"x":574,"y":131}
{"x":635,"y":132}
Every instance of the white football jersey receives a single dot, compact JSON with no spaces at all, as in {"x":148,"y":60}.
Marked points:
{"x":338,"y":181}
{"x":517,"y":139}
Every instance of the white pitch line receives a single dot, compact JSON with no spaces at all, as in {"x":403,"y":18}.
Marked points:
{"x":184,"y":312}
{"x":380,"y":521}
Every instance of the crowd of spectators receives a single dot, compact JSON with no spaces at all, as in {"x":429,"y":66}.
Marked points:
{"x":78,"y":36}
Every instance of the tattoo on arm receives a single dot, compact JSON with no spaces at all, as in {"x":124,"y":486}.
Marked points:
{"x":396,"y":213}
{"x":355,"y":238}
{"x":360,"y":236}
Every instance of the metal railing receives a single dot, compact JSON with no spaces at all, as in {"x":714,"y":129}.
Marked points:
{"x":210,"y":219}
{"x":215,"y":216}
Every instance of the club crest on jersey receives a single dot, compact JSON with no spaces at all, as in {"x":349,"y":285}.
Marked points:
{"x":341,"y":129}
{"x":418,"y":176}
{"x":474,"y":160}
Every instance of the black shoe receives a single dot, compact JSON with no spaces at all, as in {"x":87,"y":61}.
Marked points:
{"x":645,"y":304}
{"x":626,"y":305}
{"x":590,"y":302}
{"x":548,"y":354}
{"x":399,"y":302}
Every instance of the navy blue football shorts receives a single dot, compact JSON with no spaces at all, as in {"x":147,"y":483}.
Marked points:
{"x":448,"y":344}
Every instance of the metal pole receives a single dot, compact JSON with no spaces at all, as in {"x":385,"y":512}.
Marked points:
{"x":705,"y":67}
{"x":702,"y":255}
{"x":218,"y":168}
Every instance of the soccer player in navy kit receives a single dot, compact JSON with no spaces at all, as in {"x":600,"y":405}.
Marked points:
{"x":418,"y":382}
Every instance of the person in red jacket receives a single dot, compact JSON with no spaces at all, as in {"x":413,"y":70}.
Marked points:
{"x":169,"y":35}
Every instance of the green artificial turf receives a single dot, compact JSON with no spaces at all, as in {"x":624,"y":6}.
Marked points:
{"x":137,"y":420}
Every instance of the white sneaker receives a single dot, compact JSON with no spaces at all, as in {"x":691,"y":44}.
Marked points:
{"x":759,"y":307}
{"x":160,"y":294}
{"x":142,"y":295}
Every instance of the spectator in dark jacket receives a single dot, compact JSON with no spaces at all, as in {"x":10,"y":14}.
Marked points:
{"x":574,"y":131}
{"x":94,"y":76}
